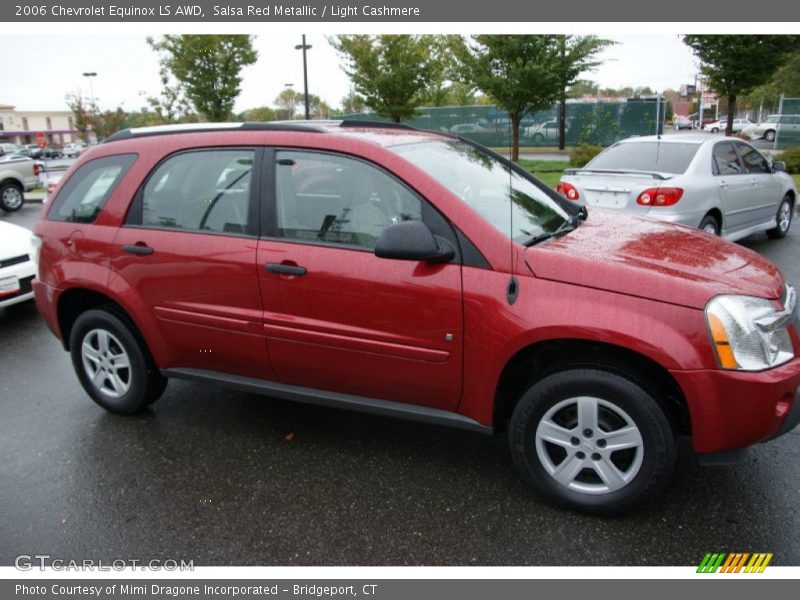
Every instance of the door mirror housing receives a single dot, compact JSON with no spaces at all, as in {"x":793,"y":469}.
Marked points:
{"x":778,"y":166}
{"x":412,"y":240}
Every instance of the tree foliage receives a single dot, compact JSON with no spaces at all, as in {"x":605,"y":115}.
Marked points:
{"x":735,"y":65}
{"x":391,"y":73}
{"x":520,"y":72}
{"x":208,"y":68}
{"x":88,"y":117}
{"x":577,"y":54}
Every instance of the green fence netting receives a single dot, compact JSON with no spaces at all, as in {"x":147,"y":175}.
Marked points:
{"x":590,"y":122}
{"x":788,"y":133}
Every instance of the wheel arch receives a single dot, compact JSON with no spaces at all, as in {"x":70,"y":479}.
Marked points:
{"x":535,"y":361}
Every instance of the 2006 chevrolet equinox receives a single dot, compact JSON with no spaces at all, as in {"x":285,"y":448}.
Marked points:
{"x":416,"y":274}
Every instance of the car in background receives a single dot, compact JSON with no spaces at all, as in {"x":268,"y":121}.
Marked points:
{"x":682,"y":122}
{"x":773,"y":126}
{"x":9,"y":149}
{"x":18,"y":174}
{"x":722,"y":123}
{"x":73,"y":149}
{"x":723,"y":186}
{"x":46,"y":153}
{"x":541,"y":132}
{"x":467,"y":128}
{"x":17,"y":266}
{"x":51,"y":184}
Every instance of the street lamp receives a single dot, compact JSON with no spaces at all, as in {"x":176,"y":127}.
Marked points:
{"x":91,"y":88}
{"x":305,"y":47}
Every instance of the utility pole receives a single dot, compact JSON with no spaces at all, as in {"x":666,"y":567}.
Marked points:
{"x":305,"y":47}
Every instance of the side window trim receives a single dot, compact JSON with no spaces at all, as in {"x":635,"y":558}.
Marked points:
{"x":135,"y":216}
{"x":739,"y":146}
{"x":430,"y":215}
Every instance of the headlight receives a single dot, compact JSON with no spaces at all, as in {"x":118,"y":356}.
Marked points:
{"x":750,"y":334}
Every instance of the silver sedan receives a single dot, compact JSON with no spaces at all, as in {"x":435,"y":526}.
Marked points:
{"x":721,"y":185}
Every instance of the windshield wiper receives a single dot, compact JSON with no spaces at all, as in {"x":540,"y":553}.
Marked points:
{"x":568,"y":225}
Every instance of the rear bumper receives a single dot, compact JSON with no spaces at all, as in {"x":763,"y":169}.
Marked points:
{"x":731,"y":409}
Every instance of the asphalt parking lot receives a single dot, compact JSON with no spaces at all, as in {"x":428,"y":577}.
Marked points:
{"x":229,"y":478}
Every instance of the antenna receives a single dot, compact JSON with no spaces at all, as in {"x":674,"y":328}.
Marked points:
{"x":512,"y":291}
{"x":658,"y":115}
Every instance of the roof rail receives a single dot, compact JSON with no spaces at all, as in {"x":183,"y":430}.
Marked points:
{"x":375,"y":124}
{"x":137,"y":132}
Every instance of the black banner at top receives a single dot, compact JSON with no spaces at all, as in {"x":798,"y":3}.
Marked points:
{"x":465,"y":11}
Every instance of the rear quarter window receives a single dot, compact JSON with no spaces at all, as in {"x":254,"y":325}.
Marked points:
{"x":87,"y":190}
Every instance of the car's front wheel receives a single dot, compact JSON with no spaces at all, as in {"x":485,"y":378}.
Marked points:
{"x":11,"y":197}
{"x":592,"y":440}
{"x":113,"y":366}
{"x":783,"y":219}
{"x":769,"y":135}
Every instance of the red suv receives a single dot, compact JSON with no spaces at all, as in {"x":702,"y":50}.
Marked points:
{"x":417,"y":275}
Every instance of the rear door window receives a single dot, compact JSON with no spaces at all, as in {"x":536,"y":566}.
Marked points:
{"x":726,"y":161}
{"x":87,"y":190}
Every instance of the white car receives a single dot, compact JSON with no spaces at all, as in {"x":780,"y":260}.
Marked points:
{"x":73,"y":149}
{"x":17,"y":268}
{"x":773,"y":126}
{"x":723,"y":186}
{"x":738,"y":125}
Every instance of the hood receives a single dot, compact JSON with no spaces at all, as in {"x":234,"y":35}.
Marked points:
{"x":642,"y":257}
{"x":14,"y":240}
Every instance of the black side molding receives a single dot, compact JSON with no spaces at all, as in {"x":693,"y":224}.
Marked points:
{"x":373,"y":406}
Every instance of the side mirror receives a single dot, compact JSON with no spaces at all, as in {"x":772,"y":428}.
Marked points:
{"x":412,"y":240}
{"x":778,"y":166}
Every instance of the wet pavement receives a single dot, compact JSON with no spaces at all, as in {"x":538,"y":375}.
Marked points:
{"x":229,"y":478}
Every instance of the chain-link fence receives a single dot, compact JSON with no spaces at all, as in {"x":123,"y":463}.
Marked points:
{"x":590,"y":122}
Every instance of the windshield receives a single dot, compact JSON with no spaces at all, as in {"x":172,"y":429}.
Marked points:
{"x":772,"y":119}
{"x":661,"y":157}
{"x":486,"y":184}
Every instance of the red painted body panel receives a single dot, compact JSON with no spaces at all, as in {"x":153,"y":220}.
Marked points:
{"x":362,"y":325}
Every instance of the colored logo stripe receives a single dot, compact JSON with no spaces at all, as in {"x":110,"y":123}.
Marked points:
{"x":734,"y":562}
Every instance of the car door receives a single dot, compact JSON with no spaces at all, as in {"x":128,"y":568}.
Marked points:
{"x":188,"y":249}
{"x":337,"y":317}
{"x":734,"y":188}
{"x":765,"y":186}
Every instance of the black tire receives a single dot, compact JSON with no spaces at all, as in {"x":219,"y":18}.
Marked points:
{"x":783,"y":226}
{"x":769,"y":135}
{"x":12,"y":196}
{"x":709,"y":221}
{"x":715,"y":130}
{"x":140,"y":384}
{"x":649,"y":465}
{"x":538,"y":138}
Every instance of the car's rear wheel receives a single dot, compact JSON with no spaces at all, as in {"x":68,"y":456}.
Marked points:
{"x":709,"y":224}
{"x":592,"y":440}
{"x":769,"y":135}
{"x":538,"y":138}
{"x":715,"y":130}
{"x":11,"y":197}
{"x":113,"y":366}
{"x":783,"y":219}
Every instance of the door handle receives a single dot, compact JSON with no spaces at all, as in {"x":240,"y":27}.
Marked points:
{"x":283,"y":269}
{"x":754,"y":181}
{"x":723,"y":185}
{"x":139,"y":248}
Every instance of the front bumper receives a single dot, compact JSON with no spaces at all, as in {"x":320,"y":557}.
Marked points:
{"x":733,"y":409}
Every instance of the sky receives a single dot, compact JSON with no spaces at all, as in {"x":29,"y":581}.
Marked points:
{"x":44,"y":69}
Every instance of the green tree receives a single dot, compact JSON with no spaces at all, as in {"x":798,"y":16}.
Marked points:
{"x":208,"y":68}
{"x":736,"y":64}
{"x":287,"y":102}
{"x":82,"y":110}
{"x":520,"y":72}
{"x":352,"y":103}
{"x":577,"y":54}
{"x":392,"y":73}
{"x":258,"y":114}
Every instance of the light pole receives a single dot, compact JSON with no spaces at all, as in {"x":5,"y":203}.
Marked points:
{"x":305,"y":47}
{"x":90,"y":76}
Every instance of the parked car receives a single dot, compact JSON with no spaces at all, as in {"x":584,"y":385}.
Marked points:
{"x":547,"y":131}
{"x":6,"y":149}
{"x":51,"y":184}
{"x":418,"y":275}
{"x":682,"y":122}
{"x":467,"y":128}
{"x":17,"y":268}
{"x":73,"y":149}
{"x":723,"y":186}
{"x":18,"y":174}
{"x":773,"y":126}
{"x":46,"y":153}
{"x":722,"y":123}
